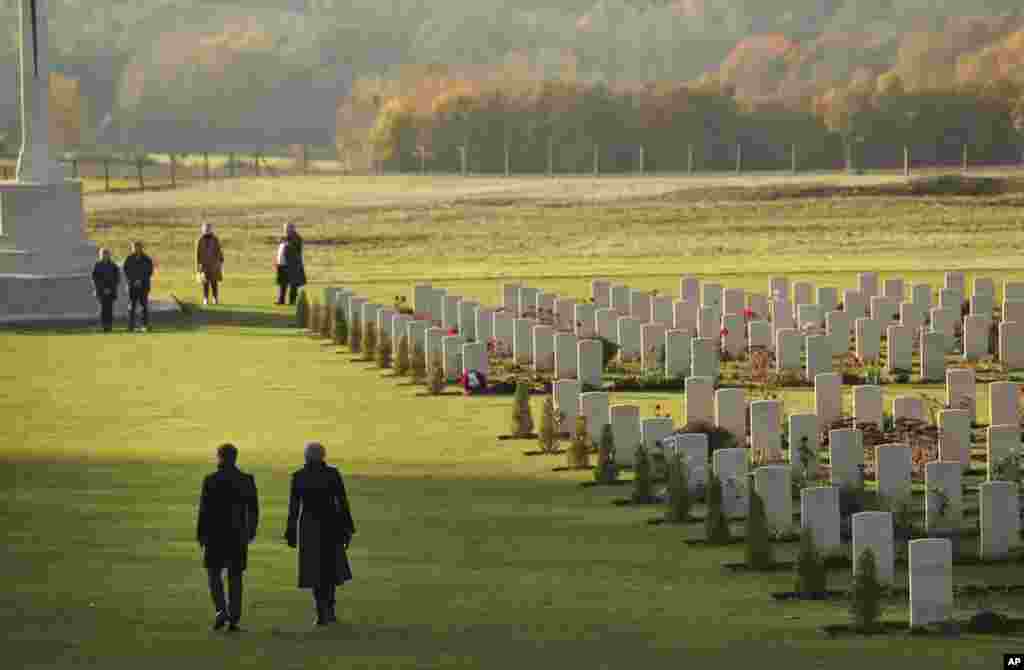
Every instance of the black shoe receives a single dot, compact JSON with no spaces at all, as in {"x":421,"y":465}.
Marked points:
{"x":331,"y":616}
{"x":234,"y":627}
{"x":321,"y":615}
{"x":222,"y":618}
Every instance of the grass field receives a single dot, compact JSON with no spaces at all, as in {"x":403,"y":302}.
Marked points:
{"x":468,"y":553}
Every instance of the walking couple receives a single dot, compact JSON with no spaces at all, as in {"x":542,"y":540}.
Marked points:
{"x":319,"y":523}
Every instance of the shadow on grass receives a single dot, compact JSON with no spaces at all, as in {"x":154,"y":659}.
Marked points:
{"x":190,"y":319}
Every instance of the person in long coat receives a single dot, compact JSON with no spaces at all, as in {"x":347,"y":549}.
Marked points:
{"x":291,"y":270}
{"x":210,"y":263}
{"x":229,"y":514}
{"x":320,"y":524}
{"x":106,"y":277}
{"x":138,"y":273}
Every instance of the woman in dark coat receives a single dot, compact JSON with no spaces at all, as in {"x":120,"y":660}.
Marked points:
{"x":291,"y":271}
{"x":320,"y":523}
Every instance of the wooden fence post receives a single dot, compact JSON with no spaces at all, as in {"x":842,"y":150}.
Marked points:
{"x":906,"y":161}
{"x":739,"y":158}
{"x":106,"y":174}
{"x":508,"y":168}
{"x":138,"y":167}
{"x":206,"y":165}
{"x":689,"y":159}
{"x":74,"y":168}
{"x":597,"y":160}
{"x":174,"y":180}
{"x":793,"y":165}
{"x":964,"y":159}
{"x":551,"y":156}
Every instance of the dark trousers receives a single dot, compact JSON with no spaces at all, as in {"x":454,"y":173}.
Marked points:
{"x":139,"y":299}
{"x":324,"y":595}
{"x":293,"y":294}
{"x":107,"y":312}
{"x":207,"y":287}
{"x":233,"y":605}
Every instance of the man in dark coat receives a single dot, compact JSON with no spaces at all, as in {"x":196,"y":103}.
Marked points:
{"x":291,"y":270}
{"x":105,"y":278}
{"x":228,"y":516}
{"x":320,"y":523}
{"x":138,"y":270}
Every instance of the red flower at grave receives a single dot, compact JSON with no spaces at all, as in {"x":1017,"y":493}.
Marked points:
{"x":452,"y":331}
{"x":748,"y":314}
{"x":724,"y":332}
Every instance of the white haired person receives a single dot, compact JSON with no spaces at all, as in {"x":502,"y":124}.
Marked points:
{"x":291,"y":271}
{"x":320,"y":524}
{"x":209,"y":263}
{"x":106,"y":277}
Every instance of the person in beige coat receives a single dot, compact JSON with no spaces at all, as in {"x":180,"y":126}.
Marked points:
{"x":209,"y":263}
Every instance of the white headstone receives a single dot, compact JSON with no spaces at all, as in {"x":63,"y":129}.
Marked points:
{"x":893,"y":288}
{"x":1013,"y":290}
{"x":933,"y":357}
{"x":766,"y":427}
{"x":510,"y":299}
{"x":590,"y":362}
{"x":893,"y":465}
{"x":467,"y":318}
{"x":566,"y":398}
{"x":709,"y":323}
{"x":874,"y":531}
{"x":956,"y":281}
{"x":600,"y":291}
{"x":594,"y":407}
{"x":984,"y":286}
{"x":730,"y":412}
{"x":625,"y":420}
{"x":900,"y":349}
{"x":819,"y":513}
{"x":943,"y":496}
{"x":711,"y":296}
{"x":620,"y":299}
{"x":546,"y":307}
{"x":1013,"y":310}
{"x":839,"y":328}
{"x":585,"y":320}
{"x":730,"y":466}
{"x":1000,"y":519}
{"x":1003,"y":400}
{"x":522,"y":342}
{"x":809,"y":316}
{"x":976,"y":338}
{"x":640,"y":305}
{"x":652,"y":347}
{"x":417,"y":331}
{"x":778,"y":287}
{"x":652,"y":431}
{"x":944,"y":320}
{"x":700,"y":399}
{"x":733,"y":301}
{"x":803,"y":294}
{"x":774,"y":484}
{"x":931,"y":581}
{"x":787,"y":349}
{"x":528,"y":302}
{"x":1011,"y":344}
{"x":908,"y":407}
{"x":677,"y":353}
{"x":450,"y":311}
{"x":804,"y":426}
{"x":954,"y":437}
{"x":868,"y":339}
{"x":982,"y":305}
{"x":693,"y":448}
{"x":951,"y":298}
{"x":1003,"y":441}
{"x":867,"y":284}
{"x":452,"y":347}
{"x":685,"y":314}
{"x":474,"y":357}
{"x":758,"y":304}
{"x":606,"y":321}
{"x":819,"y":356}
{"x":689,"y":289}
{"x":886,"y":311}
{"x":828,"y":397}
{"x":961,"y":389}
{"x":734,"y":339}
{"x":504,"y":333}
{"x":911,"y":317}
{"x":828,"y":298}
{"x":704,"y":358}
{"x":759,"y":335}
{"x":629,"y":339}
{"x":543,"y":348}
{"x":566,"y":353}
{"x":384,"y":319}
{"x":867,"y":405}
{"x":846,"y":456}
{"x":484,"y":324}
{"x":662,"y":311}
{"x":855,"y":304}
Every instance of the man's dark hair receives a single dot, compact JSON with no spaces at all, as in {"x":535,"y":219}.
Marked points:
{"x":228,"y":453}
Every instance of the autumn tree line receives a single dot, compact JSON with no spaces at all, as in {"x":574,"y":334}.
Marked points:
{"x":579,"y":128}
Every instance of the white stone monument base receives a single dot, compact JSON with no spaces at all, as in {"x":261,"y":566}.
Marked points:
{"x":26,"y":299}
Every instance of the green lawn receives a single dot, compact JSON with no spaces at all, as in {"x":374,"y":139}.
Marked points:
{"x":469,"y":554}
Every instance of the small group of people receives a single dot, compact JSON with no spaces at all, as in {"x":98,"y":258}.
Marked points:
{"x":319,"y":524}
{"x":289,"y":268}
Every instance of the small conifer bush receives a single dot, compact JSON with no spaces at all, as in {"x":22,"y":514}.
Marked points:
{"x":716,"y":526}
{"x":605,"y":471}
{"x":418,"y":364}
{"x":678,"y":490}
{"x":548,"y":434}
{"x":302,"y":311}
{"x":810,"y":566}
{"x":369,"y":341}
{"x":384,"y":352}
{"x":355,"y":340}
{"x":579,"y":452}
{"x":340,"y":326}
{"x":403,"y":363}
{"x":642,"y":493}
{"x":327,"y":322}
{"x":522,"y":418}
{"x":759,"y":547}
{"x":866,"y":594}
{"x":313,"y":318}
{"x":435,"y":376}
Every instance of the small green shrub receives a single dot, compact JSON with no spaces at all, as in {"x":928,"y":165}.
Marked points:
{"x":716,"y":526}
{"x":760,"y":555}
{"x":810,"y":566}
{"x":522,"y":418}
{"x":418,"y":364}
{"x":340,"y":326}
{"x":327,"y":322}
{"x":402,"y":359}
{"x":605,"y":471}
{"x":355,"y":343}
{"x":579,"y":451}
{"x":678,"y":490}
{"x":435,"y":376}
{"x":642,"y":493}
{"x":313,"y":318}
{"x":384,"y":352}
{"x":547,"y":436}
{"x":866,"y":594}
{"x":369,"y":341}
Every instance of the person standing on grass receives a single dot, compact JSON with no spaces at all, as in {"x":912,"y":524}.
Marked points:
{"x":229,"y":514}
{"x":209,"y":263}
{"x":106,"y":277}
{"x":320,"y":524}
{"x":138,"y":270}
{"x":291,"y":271}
